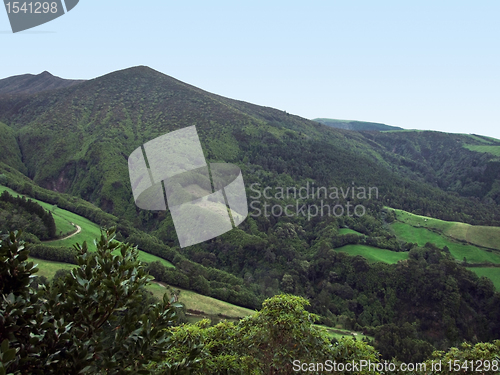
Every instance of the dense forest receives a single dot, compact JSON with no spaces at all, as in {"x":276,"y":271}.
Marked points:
{"x":19,"y":212}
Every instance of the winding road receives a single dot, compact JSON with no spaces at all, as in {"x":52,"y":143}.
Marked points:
{"x":78,"y":230}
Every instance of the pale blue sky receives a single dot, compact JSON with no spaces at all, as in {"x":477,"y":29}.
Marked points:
{"x":421,"y":64}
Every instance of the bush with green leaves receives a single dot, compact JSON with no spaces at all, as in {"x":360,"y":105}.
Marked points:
{"x":94,"y":320}
{"x":481,"y":358}
{"x":265,"y":343}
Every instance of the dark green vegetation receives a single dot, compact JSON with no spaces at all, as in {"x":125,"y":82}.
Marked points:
{"x":456,"y":163}
{"x":19,"y":212}
{"x":99,"y":319}
{"x":492,"y":273}
{"x":96,"y":318}
{"x":356,"y":125}
{"x":69,"y":148}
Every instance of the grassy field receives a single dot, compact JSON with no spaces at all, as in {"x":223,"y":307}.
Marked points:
{"x":491,"y":273}
{"x":373,"y":254}
{"x":90,"y":231}
{"x":422,"y":229}
{"x":459,"y":250}
{"x":349,"y":231}
{"x":208,"y":305}
{"x":490,"y":149}
{"x":477,"y":235}
{"x":192,"y":300}
{"x":48,"y":268}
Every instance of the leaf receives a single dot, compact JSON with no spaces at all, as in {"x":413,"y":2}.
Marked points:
{"x":9,"y":355}
{"x":5,"y":345}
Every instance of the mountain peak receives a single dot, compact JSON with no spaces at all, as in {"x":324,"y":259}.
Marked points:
{"x":33,"y":84}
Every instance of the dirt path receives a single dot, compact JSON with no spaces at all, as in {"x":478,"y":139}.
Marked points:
{"x":78,"y":230}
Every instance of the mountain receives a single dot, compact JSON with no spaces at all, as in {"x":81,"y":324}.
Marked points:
{"x":75,"y":141}
{"x":355,"y":125}
{"x":34,"y":84}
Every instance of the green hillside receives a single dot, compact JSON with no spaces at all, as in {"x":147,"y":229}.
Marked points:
{"x":89,"y":230}
{"x":459,"y":238}
{"x":190,"y":299}
{"x":488,"y":237}
{"x":76,"y":141}
{"x":459,"y":250}
{"x":10,"y":152}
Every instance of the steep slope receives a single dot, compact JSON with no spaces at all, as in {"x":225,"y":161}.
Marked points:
{"x":34,"y":84}
{"x":10,"y":152}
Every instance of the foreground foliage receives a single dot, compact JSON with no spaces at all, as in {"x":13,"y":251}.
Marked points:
{"x":96,"y":319}
{"x":271,"y":341}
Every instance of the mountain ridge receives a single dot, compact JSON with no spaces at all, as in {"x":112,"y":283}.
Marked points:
{"x":356,"y":125}
{"x":77,"y":139}
{"x":33,"y":84}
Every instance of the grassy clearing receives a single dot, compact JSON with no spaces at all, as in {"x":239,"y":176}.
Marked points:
{"x":48,"y":268}
{"x":349,"y":231}
{"x":422,"y":221}
{"x":477,"y":235}
{"x":492,"y":273}
{"x":208,"y":305}
{"x":494,"y":150}
{"x":339,"y":333}
{"x":90,"y":231}
{"x":459,"y":250}
{"x":374,"y":254}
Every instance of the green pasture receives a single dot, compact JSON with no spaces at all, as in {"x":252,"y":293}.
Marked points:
{"x":48,"y":268}
{"x":63,"y":225}
{"x":339,"y":333}
{"x":477,"y":235}
{"x":492,"y":273}
{"x":490,"y":149}
{"x":459,"y":250}
{"x":373,"y":254}
{"x":208,"y":305}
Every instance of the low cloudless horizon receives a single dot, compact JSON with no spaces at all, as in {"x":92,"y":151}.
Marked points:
{"x":425,"y":65}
